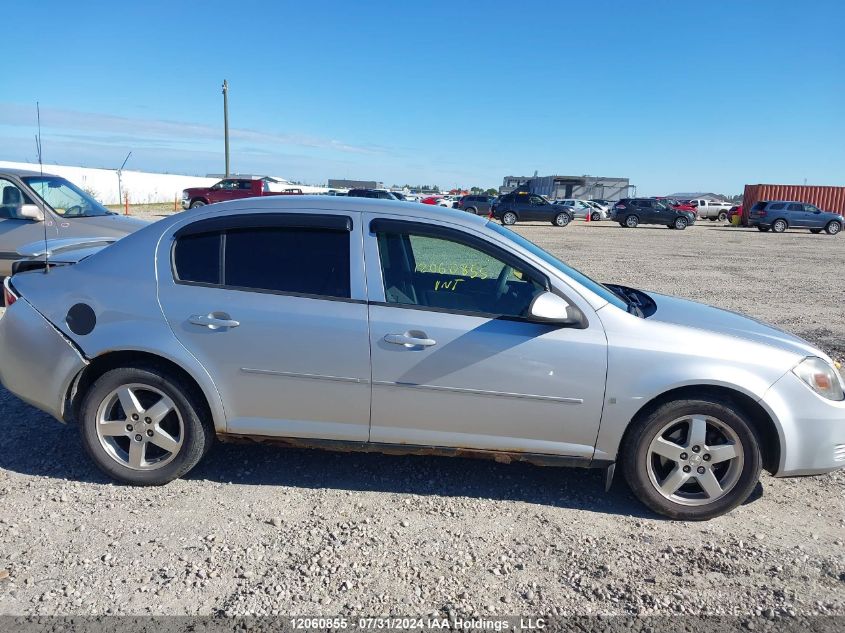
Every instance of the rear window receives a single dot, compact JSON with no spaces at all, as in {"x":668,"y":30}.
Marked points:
{"x":277,"y":259}
{"x":758,"y":206}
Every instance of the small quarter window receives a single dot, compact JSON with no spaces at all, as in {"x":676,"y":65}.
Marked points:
{"x":197,"y":258}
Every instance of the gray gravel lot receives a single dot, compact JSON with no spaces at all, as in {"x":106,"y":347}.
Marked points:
{"x":263,"y":530}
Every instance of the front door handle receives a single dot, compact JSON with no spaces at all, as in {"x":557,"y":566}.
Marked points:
{"x":410,"y":339}
{"x":213,"y":320}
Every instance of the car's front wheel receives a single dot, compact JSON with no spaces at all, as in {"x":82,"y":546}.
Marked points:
{"x":561,"y":219}
{"x":595,"y":216}
{"x":509,"y":218}
{"x":833,"y":227}
{"x":692,"y":459}
{"x":143,"y":426}
{"x":197,"y":203}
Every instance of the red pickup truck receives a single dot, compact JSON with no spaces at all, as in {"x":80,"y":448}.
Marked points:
{"x":232,"y":189}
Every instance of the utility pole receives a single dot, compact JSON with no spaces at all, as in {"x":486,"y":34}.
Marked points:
{"x":226,"y":122}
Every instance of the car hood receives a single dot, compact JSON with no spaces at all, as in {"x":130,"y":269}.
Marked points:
{"x":704,"y":317}
{"x":112,"y":224}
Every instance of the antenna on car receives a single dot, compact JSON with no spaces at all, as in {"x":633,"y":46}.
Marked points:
{"x":41,"y":169}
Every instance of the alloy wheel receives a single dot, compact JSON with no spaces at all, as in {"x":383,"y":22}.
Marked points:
{"x":695,"y":460}
{"x":509,"y":218}
{"x":140,"y":427}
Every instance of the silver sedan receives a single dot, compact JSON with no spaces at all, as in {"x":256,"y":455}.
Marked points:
{"x":367,"y":324}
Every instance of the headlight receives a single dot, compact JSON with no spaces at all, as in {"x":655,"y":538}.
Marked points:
{"x":821,"y":377}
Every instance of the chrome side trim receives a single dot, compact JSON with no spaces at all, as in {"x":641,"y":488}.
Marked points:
{"x":480,"y":392}
{"x":293,"y":374}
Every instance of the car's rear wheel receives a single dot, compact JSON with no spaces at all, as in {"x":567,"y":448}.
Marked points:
{"x":632,"y":221}
{"x":722,"y":216}
{"x":681,"y":223}
{"x":779,"y":226}
{"x":595,"y":216}
{"x":197,"y":203}
{"x":143,"y":426}
{"x":692,"y":459}
{"x":508,"y":218}
{"x":833,"y":227}
{"x":561,"y":219}
{"x":472,"y":210}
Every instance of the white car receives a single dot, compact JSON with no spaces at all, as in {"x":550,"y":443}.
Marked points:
{"x":449,"y":200}
{"x":582,"y":207}
{"x":711,"y":209}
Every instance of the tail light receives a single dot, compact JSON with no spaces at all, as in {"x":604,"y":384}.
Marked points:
{"x":619,"y":206}
{"x":761,"y":214}
{"x":9,"y":295}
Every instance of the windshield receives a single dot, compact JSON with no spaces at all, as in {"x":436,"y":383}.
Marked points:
{"x":602,"y":291}
{"x":65,"y":198}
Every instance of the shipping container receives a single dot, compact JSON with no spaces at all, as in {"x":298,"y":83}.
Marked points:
{"x":825,"y":198}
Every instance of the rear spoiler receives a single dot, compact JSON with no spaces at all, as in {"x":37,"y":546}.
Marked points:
{"x":51,"y":247}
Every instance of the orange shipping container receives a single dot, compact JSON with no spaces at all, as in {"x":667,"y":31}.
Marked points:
{"x":825,"y":198}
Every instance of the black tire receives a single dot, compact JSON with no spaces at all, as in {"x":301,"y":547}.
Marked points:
{"x":762,"y":229}
{"x":779,"y":226}
{"x":638,"y":465}
{"x":197,"y":203}
{"x":833,"y":227}
{"x":722,"y":216}
{"x":595,"y":216}
{"x":681,"y":223}
{"x":196,"y":432}
{"x":622,"y":224}
{"x":632,"y":221}
{"x":472,"y":210}
{"x":561,"y":219}
{"x":509,"y":218}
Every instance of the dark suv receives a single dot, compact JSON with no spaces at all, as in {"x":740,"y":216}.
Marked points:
{"x":477,"y":204}
{"x":779,"y":215}
{"x":631,"y":212}
{"x":372,"y":193}
{"x":524,"y":206}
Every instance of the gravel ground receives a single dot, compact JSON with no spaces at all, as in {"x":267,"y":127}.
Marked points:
{"x":263,"y":530}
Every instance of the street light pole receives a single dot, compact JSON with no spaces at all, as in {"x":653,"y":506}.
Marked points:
{"x":226,"y":122}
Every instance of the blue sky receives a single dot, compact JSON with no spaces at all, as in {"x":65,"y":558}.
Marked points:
{"x":677,"y":96}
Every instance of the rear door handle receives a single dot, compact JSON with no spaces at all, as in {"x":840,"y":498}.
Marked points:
{"x":410,"y":341}
{"x":213,"y":320}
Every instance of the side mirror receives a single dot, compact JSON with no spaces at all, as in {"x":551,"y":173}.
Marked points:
{"x":550,"y":308}
{"x":31,"y":212}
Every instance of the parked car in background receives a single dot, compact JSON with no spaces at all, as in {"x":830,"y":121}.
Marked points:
{"x":605,"y":203}
{"x":479,"y":204}
{"x":711,"y":209}
{"x":449,"y":200}
{"x":232,"y":189}
{"x":431,"y":200}
{"x":380,"y":194}
{"x":631,"y":212}
{"x":454,"y":312}
{"x":733,"y":212}
{"x":521,"y":206}
{"x":779,"y":215}
{"x":35,"y":206}
{"x":581,"y":208}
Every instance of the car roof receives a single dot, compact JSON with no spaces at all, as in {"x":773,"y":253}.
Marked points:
{"x":315,"y":204}
{"x":24,"y":172}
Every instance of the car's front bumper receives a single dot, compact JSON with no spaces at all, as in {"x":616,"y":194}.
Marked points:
{"x":39,"y":363}
{"x":811,"y":428}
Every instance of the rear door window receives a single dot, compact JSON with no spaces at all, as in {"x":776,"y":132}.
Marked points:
{"x":777,"y":206}
{"x":284,"y":259}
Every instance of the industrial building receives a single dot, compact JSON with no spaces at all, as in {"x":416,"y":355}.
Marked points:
{"x":340,"y":183}
{"x":559,"y":187}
